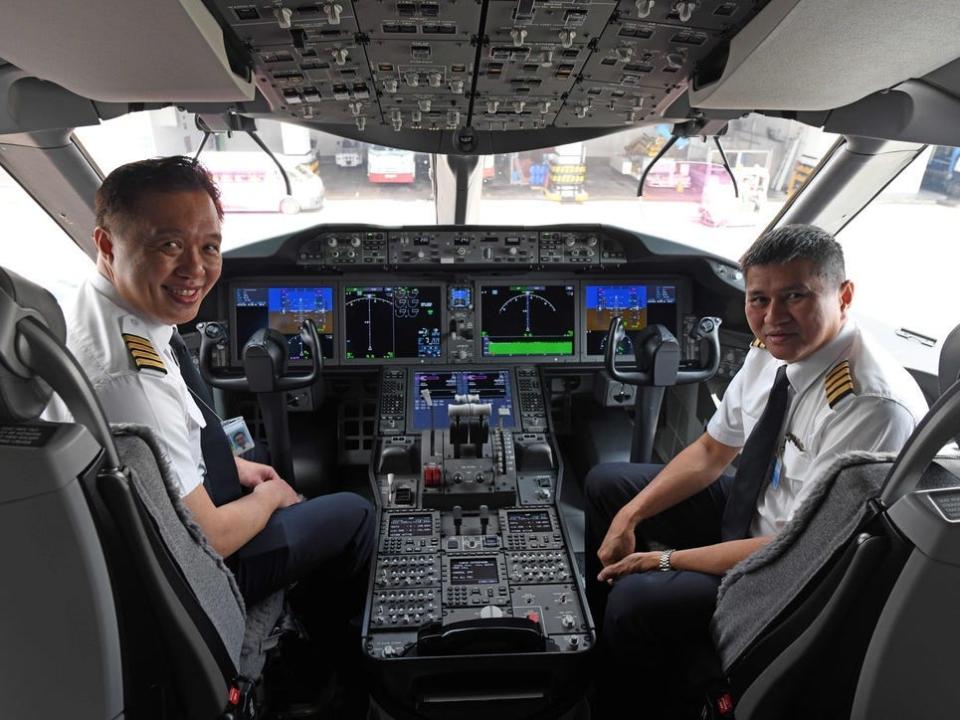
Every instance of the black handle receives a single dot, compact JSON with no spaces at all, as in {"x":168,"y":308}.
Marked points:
{"x":214,"y":335}
{"x":308,"y":333}
{"x":481,"y":636}
{"x":707,"y":328}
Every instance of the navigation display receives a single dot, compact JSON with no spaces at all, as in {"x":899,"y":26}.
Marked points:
{"x":284,"y":309}
{"x":636,"y":305}
{"x":493,"y":386}
{"x":474,"y":571}
{"x":392,"y":321}
{"x":527,"y":320}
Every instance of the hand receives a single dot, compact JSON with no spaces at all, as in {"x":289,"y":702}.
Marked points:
{"x":637,"y":562}
{"x":619,"y":542}
{"x":252,"y":474}
{"x":279,"y":492}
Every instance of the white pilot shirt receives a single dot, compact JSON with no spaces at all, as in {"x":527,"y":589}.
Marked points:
{"x":878,"y":416}
{"x":145,"y":395}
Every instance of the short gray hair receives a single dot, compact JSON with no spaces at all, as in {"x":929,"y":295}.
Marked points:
{"x":798,"y":242}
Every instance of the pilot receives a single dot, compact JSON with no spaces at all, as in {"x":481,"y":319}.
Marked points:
{"x":158,"y":255}
{"x":813,"y":386}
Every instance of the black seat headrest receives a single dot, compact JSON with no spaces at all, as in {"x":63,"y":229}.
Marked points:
{"x":23,"y":396}
{"x":949,"y":371}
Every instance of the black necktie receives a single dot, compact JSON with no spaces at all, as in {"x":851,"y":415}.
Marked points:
{"x":756,"y":461}
{"x":221,"y":481}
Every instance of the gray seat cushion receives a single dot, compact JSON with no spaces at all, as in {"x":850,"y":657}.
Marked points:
{"x":754,"y":592}
{"x":245,"y":632}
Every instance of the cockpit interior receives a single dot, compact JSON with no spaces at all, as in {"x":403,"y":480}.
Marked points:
{"x":521,"y":263}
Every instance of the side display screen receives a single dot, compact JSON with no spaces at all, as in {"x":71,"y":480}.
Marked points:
{"x":521,"y":320}
{"x":284,"y":309}
{"x":474,"y":571}
{"x":493,"y":386}
{"x":410,"y":525}
{"x":383,"y":322}
{"x":530,"y":521}
{"x":636,"y":305}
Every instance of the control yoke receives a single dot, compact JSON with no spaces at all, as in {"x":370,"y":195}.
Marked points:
{"x":264,"y":359}
{"x":658,"y":366}
{"x":265,"y":374}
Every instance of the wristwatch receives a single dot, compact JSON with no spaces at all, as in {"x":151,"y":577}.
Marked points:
{"x":665,"y":565}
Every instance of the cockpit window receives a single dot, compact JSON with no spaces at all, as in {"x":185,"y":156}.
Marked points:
{"x":688,"y":195}
{"x":332,"y":180}
{"x":903,"y":250}
{"x":36,"y":247}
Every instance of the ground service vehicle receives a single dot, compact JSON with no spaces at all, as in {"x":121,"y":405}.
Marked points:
{"x":390,"y":165}
{"x":468,"y":379}
{"x":251,"y":182}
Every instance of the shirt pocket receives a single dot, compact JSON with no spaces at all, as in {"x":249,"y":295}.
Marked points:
{"x":796,"y":465}
{"x":194,"y":414}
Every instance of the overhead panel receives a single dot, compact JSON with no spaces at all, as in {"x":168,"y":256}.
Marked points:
{"x":719,"y":15}
{"x":309,"y":64}
{"x":645,"y":57}
{"x":421,"y":55}
{"x":446,"y":65}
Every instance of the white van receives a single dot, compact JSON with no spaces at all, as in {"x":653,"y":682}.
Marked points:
{"x":250,"y":181}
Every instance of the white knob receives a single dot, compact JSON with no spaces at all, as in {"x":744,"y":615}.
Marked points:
{"x":283,"y":16}
{"x":332,"y":11}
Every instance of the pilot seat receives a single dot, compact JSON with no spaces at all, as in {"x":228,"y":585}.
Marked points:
{"x":113,"y":603}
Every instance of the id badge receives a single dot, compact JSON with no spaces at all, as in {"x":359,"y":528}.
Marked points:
{"x":777,"y":469}
{"x":238,"y":435}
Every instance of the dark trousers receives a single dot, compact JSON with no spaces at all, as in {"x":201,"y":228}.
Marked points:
{"x":324,"y":543}
{"x":653,"y":627}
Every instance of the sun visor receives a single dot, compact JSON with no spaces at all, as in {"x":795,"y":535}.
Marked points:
{"x":123,"y":50}
{"x":823,"y":54}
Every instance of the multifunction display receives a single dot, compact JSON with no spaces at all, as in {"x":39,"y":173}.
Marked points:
{"x":410,"y":525}
{"x":392,"y":321}
{"x":284,"y":309}
{"x":636,"y":305}
{"x":474,"y":571}
{"x":527,"y":320}
{"x":492,"y":386}
{"x":528,"y":521}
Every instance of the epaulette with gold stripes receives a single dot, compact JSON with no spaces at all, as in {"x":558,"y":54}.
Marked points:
{"x":143,"y":354}
{"x":758,"y":344}
{"x":838,"y":383}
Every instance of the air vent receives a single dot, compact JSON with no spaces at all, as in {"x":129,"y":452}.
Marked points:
{"x":246,"y":13}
